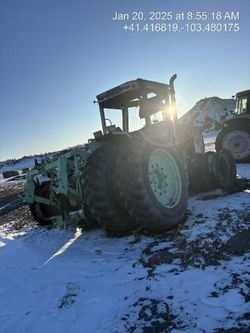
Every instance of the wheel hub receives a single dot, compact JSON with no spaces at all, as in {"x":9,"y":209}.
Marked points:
{"x":238,"y":142}
{"x":164,"y":178}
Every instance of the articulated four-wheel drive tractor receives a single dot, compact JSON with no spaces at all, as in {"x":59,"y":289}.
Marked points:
{"x":126,"y":180}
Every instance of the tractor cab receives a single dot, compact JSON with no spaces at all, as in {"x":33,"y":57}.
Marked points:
{"x":150,"y":97}
{"x":243,"y":102}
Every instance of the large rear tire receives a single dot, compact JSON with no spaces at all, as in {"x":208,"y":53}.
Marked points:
{"x":100,"y":194}
{"x":235,"y":138}
{"x":153,"y":186}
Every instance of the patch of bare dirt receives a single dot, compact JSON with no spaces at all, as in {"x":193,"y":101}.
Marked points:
{"x":207,"y":249}
{"x":11,"y":187}
{"x":14,"y":214}
{"x":17,"y":220}
{"x":153,"y":316}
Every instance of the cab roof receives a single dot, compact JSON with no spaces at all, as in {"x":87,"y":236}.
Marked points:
{"x":243,"y":93}
{"x":128,"y":92}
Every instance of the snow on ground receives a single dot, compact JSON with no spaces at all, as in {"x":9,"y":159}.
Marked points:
{"x":215,"y":108}
{"x":209,"y":139}
{"x":23,"y":163}
{"x":27,"y":162}
{"x":192,"y":279}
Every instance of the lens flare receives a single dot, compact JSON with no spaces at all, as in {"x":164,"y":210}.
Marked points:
{"x":171,"y":111}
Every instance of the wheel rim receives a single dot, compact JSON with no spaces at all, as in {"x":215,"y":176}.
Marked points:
{"x":164,"y":178}
{"x":238,"y":142}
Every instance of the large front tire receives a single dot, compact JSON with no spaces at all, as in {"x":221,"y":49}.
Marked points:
{"x":198,"y":173}
{"x":40,"y":211}
{"x":235,"y":138}
{"x":225,"y":170}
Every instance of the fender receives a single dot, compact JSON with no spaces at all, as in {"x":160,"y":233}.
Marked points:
{"x":243,"y":118}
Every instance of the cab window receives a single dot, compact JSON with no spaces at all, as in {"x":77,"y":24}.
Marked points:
{"x":242,"y":105}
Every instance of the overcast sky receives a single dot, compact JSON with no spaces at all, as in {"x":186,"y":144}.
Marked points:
{"x":57,"y":55}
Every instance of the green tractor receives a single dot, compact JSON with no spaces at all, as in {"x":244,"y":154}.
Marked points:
{"x":235,"y":134}
{"x":122,"y":179}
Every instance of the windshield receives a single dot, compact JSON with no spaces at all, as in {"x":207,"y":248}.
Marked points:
{"x":114,"y":117}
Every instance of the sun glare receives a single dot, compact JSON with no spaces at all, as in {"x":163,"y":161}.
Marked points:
{"x":77,"y":234}
{"x":171,"y":111}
